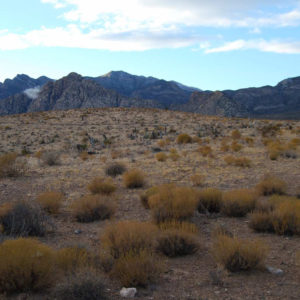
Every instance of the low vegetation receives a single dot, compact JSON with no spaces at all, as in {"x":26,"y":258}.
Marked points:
{"x":115,"y":169}
{"x":271,"y":185}
{"x":100,"y":185}
{"x":239,"y":255}
{"x":209,"y":200}
{"x":51,"y":201}
{"x":184,"y":139}
{"x":134,"y":179}
{"x":92,"y":208}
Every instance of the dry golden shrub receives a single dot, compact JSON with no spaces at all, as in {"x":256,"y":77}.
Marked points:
{"x":242,"y":162}
{"x":209,"y":200}
{"x":238,"y":203}
{"x":84,"y":155}
{"x":174,"y":156}
{"x":144,"y":197}
{"x":197,"y":180}
{"x":249,"y":141}
{"x":183,"y":226}
{"x":184,"y":139}
{"x":92,"y":208}
{"x":173,"y":203}
{"x":161,"y":156}
{"x":163,"y":143}
{"x":236,"y":135}
{"x":205,"y":151}
{"x":51,"y":201}
{"x":271,"y":185}
{"x":123,"y":237}
{"x":71,"y":259}
{"x":137,"y":269}
{"x":236,"y":147}
{"x":134,"y":179}
{"x":224,"y":146}
{"x":28,"y":266}
{"x":175,"y":242}
{"x":101,"y":185}
{"x":9,"y":166}
{"x":239,"y":255}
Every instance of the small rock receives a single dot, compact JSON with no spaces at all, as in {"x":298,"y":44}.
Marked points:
{"x":128,"y":293}
{"x":77,"y":231}
{"x":274,"y":270}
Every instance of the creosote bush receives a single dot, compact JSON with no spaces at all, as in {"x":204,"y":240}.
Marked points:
{"x":134,"y":179}
{"x":51,"y":201}
{"x":239,"y":255}
{"x":92,"y":208}
{"x":161,"y":156}
{"x":184,"y":139}
{"x":82,"y":285}
{"x":23,"y":219}
{"x":101,"y":185}
{"x":28,"y":266}
{"x":115,"y":169}
{"x":238,"y":203}
{"x":9,"y":166}
{"x":51,"y":158}
{"x":271,"y":185}
{"x":173,"y":203}
{"x":209,"y":200}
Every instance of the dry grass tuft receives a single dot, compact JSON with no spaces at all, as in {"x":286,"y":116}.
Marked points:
{"x":92,"y":208}
{"x":9,"y":166}
{"x":236,"y":135}
{"x":271,"y":185}
{"x":239,"y":255}
{"x":173,"y":203}
{"x":28,"y":266}
{"x":205,"y":151}
{"x":144,"y":197}
{"x":236,"y":147}
{"x":242,"y":162}
{"x":128,"y":236}
{"x":209,"y":200}
{"x":100,"y":185}
{"x":115,"y":169}
{"x":184,"y":139}
{"x":134,"y":179}
{"x":238,"y":203}
{"x":51,"y":201}
{"x":161,"y":156}
{"x":137,"y":269}
{"x":197,"y":180}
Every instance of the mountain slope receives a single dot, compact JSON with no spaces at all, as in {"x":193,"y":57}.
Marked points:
{"x":72,"y":91}
{"x":19,"y":84}
{"x":281,"y":101}
{"x":141,"y":87}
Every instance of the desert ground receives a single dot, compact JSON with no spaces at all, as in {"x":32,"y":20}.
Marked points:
{"x":88,"y":141}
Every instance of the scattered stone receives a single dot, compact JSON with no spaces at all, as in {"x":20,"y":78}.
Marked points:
{"x":77,"y":231}
{"x":274,"y":270}
{"x":128,"y":292}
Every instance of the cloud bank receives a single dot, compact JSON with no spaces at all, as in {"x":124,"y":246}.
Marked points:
{"x":139,"y":25}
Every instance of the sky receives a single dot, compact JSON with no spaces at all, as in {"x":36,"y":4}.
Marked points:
{"x":212,"y":45}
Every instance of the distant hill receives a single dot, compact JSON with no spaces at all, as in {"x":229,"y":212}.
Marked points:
{"x":140,"y":87}
{"x":19,"y":84}
{"x":120,"y":89}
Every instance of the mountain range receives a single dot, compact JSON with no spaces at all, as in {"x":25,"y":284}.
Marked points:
{"x":120,"y":89}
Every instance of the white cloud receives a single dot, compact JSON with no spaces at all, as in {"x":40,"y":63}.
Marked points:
{"x":275,"y":46}
{"x":33,"y":93}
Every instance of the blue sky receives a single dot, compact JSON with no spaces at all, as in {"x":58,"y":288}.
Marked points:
{"x":208,"y":44}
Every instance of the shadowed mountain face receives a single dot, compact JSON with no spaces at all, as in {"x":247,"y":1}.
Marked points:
{"x":19,"y":84}
{"x":120,"y":89}
{"x":140,"y":87}
{"x":281,"y":101}
{"x":72,"y":91}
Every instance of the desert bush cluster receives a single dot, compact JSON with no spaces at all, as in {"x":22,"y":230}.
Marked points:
{"x":147,"y":201}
